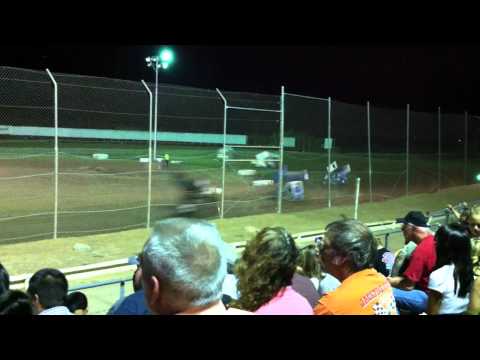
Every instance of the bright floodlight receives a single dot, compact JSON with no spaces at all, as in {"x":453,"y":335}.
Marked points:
{"x":166,"y":57}
{"x":477,"y":177}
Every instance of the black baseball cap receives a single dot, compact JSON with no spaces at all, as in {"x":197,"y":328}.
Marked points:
{"x":415,"y":218}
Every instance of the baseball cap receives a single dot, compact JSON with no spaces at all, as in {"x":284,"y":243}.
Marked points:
{"x":415,"y":218}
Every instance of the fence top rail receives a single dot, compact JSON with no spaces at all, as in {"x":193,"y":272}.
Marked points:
{"x":308,"y":97}
{"x":239,"y":160}
{"x":252,"y":109}
{"x":99,"y":284}
{"x":256,"y":146}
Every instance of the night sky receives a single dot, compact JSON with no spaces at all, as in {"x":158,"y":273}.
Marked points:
{"x":424,"y":75}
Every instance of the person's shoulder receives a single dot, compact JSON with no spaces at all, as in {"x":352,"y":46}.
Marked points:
{"x":301,"y":279}
{"x":131,"y":305}
{"x":327,"y":304}
{"x":333,"y":295}
{"x":441,"y":271}
{"x":382,"y":251}
{"x":426,"y":245}
{"x":235,"y":311}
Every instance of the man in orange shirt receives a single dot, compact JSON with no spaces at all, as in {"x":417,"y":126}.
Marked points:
{"x":348,"y":253}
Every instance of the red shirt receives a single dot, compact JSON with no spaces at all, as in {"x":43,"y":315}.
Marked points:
{"x":422,"y":261}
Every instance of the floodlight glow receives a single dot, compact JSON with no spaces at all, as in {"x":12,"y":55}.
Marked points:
{"x":477,"y":177}
{"x":166,"y":56}
{"x":164,"y":65}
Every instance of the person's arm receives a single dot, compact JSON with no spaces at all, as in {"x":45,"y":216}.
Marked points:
{"x":434,"y":302}
{"x":401,"y":282}
{"x":454,"y":211}
{"x":413,"y":274}
{"x":322,"y":307}
{"x":474,"y":306}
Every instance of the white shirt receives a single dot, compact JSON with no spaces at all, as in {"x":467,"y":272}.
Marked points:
{"x":230,"y":286}
{"x":327,"y":284}
{"x":57,"y":310}
{"x":442,"y":281}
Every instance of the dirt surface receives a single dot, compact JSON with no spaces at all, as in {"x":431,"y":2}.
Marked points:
{"x":99,"y":197}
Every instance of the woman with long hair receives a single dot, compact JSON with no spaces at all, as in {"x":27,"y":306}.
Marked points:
{"x":451,"y":281}
{"x":265,"y":271}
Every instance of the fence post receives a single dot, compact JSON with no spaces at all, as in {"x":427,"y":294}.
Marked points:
{"x":282,"y":127}
{"x":439,"y":148}
{"x":369,"y":153}
{"x":329,"y":132}
{"x":357,"y":196}
{"x":156,"y":114}
{"x":225,"y":108}
{"x":465,"y":164}
{"x":149,"y":189}
{"x":55,"y":109}
{"x":407,"y":181}
{"x":122,"y":289}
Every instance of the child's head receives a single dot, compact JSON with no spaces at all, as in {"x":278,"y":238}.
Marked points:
{"x":77,"y":303}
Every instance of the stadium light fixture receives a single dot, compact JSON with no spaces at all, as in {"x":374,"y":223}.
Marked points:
{"x":163,"y":61}
{"x":166,"y":57}
{"x":477,"y":177}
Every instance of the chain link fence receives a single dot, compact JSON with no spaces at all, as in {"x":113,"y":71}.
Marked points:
{"x":26,"y":160}
{"x":107,"y":181}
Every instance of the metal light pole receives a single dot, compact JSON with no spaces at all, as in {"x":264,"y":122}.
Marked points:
{"x":162,"y":61}
{"x":155,"y":121}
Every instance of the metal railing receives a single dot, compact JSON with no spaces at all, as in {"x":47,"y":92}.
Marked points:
{"x":121,"y":282}
{"x":384,"y":229}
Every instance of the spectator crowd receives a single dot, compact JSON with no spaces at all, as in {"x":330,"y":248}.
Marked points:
{"x":185,"y":268}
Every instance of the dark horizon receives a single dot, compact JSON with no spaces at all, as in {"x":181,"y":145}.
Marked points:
{"x":424,"y":75}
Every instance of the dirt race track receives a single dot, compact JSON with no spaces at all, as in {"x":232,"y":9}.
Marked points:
{"x":97,"y":196}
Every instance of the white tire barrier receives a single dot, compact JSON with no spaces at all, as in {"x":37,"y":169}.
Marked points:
{"x":100,"y":156}
{"x":247,"y":172}
{"x":262,"y":182}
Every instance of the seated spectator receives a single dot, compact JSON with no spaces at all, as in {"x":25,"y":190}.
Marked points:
{"x":348,"y":252}
{"x":4,"y":280}
{"x":15,"y":302}
{"x":450,"y":284}
{"x":410,"y":287}
{"x":308,"y":264}
{"x":183,"y":267}
{"x":133,"y":304}
{"x":470,"y":216}
{"x":460,"y":214}
{"x":265,"y":271}
{"x":77,"y":303}
{"x":474,"y":305}
{"x":304,"y":286}
{"x":48,"y":290}
{"x":384,"y":260}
